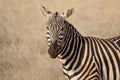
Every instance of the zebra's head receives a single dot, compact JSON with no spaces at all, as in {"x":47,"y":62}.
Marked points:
{"x":55,"y":29}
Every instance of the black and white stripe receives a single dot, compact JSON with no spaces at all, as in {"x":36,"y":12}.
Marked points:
{"x":116,"y":40}
{"x":88,"y":58}
{"x":83,"y":58}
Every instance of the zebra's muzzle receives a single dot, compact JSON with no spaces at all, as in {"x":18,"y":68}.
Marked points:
{"x":53,"y":50}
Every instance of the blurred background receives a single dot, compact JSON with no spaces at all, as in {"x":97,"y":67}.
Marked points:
{"x":23,"y":48}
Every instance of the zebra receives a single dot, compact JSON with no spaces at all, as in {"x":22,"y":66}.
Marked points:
{"x":82,"y":58}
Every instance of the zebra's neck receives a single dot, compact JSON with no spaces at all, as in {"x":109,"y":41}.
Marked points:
{"x":73,"y":46}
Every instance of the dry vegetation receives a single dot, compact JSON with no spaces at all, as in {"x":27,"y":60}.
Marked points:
{"x":23,"y":49}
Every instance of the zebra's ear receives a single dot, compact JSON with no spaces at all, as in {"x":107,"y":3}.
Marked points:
{"x":69,"y":12}
{"x":45,"y":11}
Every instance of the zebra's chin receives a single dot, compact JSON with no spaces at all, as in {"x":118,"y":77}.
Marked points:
{"x":53,"y":50}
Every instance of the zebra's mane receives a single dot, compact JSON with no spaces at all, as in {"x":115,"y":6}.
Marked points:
{"x":68,"y":24}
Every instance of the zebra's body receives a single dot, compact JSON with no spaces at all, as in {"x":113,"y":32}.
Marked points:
{"x":116,"y":40}
{"x":83,"y":58}
{"x":89,"y":58}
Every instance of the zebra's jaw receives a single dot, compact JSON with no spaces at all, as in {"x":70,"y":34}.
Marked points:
{"x":53,"y":50}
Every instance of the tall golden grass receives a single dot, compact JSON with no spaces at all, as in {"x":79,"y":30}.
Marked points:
{"x":23,"y":49}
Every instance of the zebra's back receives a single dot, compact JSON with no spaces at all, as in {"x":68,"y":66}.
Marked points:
{"x":115,"y":40}
{"x":107,"y":57}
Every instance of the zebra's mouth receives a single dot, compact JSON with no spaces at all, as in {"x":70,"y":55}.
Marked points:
{"x":53,"y":50}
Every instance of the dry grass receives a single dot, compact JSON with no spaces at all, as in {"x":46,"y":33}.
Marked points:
{"x":23,"y":49}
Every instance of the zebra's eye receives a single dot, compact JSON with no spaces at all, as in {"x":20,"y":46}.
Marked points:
{"x":47,"y":27}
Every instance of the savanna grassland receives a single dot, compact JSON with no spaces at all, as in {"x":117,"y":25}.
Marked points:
{"x":23,"y":48}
